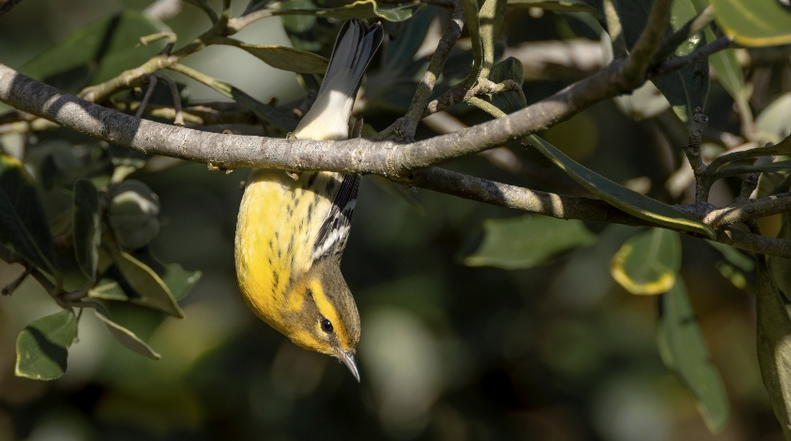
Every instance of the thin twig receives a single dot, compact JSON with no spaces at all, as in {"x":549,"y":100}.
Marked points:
{"x":749,"y":210}
{"x":406,"y":127}
{"x":152,"y":84}
{"x":643,"y":51}
{"x":692,"y":151}
{"x":460,"y":93}
{"x":750,"y":182}
{"x":674,"y":64}
{"x":174,"y":94}
{"x":11,"y":287}
{"x":691,"y":28}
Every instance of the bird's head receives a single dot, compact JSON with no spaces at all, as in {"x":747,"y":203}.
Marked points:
{"x":321,"y":315}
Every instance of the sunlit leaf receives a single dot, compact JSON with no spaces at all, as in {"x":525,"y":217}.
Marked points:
{"x":754,"y":22}
{"x":284,"y":58}
{"x":728,"y":70}
{"x":734,"y":256}
{"x":150,"y":289}
{"x":23,"y":226}
{"x":42,"y":348}
{"x":358,"y":9}
{"x":688,"y":87}
{"x":107,"y":289}
{"x":733,"y":274}
{"x":621,"y":197}
{"x":127,"y":337}
{"x":527,"y":241}
{"x":684,"y":351}
{"x":133,"y":214}
{"x":97,"y":52}
{"x":774,"y":122}
{"x":774,"y":345}
{"x":179,"y":280}
{"x":267,"y":113}
{"x":86,"y":226}
{"x":648,"y":263}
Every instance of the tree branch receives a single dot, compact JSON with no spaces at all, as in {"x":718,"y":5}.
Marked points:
{"x":407,"y":126}
{"x":352,"y":156}
{"x":643,"y":51}
{"x":399,"y":162}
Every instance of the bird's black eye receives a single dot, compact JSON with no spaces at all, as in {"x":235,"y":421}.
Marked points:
{"x":326,"y":326}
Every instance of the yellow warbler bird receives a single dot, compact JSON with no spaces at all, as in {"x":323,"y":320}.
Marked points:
{"x":291,"y":231}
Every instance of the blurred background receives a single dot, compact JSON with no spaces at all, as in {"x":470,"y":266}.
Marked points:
{"x":557,"y":352}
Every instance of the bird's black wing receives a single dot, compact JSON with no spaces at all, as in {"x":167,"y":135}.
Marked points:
{"x":331,"y":240}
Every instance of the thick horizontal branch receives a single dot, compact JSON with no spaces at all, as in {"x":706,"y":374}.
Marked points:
{"x":750,"y":210}
{"x":353,"y":156}
{"x":407,"y":163}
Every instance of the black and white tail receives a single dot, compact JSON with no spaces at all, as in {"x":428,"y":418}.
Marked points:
{"x":328,"y":118}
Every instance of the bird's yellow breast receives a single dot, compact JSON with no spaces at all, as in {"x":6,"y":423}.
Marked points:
{"x":279,"y":220}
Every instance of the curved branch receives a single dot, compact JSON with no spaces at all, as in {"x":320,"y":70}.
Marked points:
{"x":353,"y":156}
{"x":399,"y":162}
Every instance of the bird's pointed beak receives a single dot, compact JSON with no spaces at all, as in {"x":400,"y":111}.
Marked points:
{"x":350,"y":360}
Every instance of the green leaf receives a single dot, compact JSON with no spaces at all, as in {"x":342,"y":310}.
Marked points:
{"x":204,"y":6}
{"x":42,"y":348}
{"x":648,"y":263}
{"x":774,"y":122}
{"x":621,"y":197}
{"x":728,"y":70}
{"x":267,"y":113}
{"x":97,"y":52}
{"x":86,"y":226}
{"x":149,"y":288}
{"x":358,"y":9}
{"x":556,"y":5}
{"x":774,"y":345}
{"x":399,"y":53}
{"x":684,"y":352}
{"x":688,"y":87}
{"x":734,"y":256}
{"x":527,"y":241}
{"x":284,"y":58}
{"x":255,"y":5}
{"x":133,"y":214}
{"x":179,"y":280}
{"x":779,"y":267}
{"x":24,"y":228}
{"x":508,"y":69}
{"x":754,"y":22}
{"x":127,"y":337}
{"x":108,"y":289}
